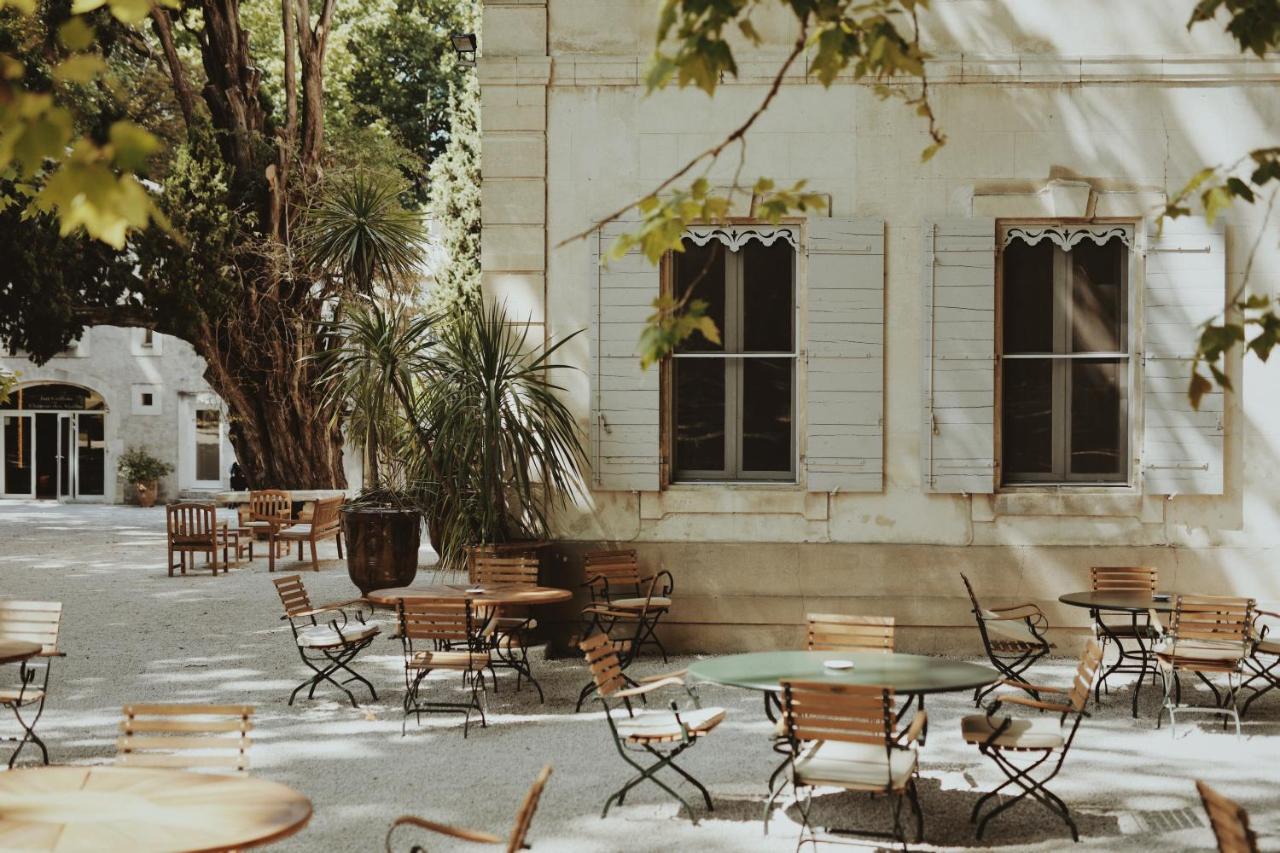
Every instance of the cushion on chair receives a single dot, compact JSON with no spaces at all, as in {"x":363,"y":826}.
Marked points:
{"x":324,"y":637}
{"x":1009,"y":630}
{"x":1269,"y":647}
{"x":297,"y":531}
{"x":860,"y":766}
{"x":449,"y":660}
{"x":655,"y":603}
{"x":1197,"y":651}
{"x":662,"y":725}
{"x":1034,"y":733}
{"x":9,"y":695}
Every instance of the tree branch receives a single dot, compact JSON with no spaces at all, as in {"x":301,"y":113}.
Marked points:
{"x":114,"y":315}
{"x":287,"y":18}
{"x":182,"y":89}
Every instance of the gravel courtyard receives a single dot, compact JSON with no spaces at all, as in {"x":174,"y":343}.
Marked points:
{"x":131,"y":633}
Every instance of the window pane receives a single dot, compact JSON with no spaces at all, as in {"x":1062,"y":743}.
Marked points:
{"x":91,"y":454}
{"x":1028,"y":297}
{"x":208,"y":445}
{"x":17,"y":454}
{"x":702,"y":269}
{"x":1097,"y":299}
{"x":1027,"y":428}
{"x":766,"y":414}
{"x":699,"y":418}
{"x":1097,"y":396}
{"x":766,"y":297}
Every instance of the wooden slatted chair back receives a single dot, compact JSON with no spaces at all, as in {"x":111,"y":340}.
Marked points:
{"x":524,"y":818}
{"x":815,"y":711}
{"x":440,"y":620}
{"x":605,"y":663}
{"x":620,"y":568}
{"x":1212,"y":618}
{"x":325,"y":515}
{"x":830,"y":632}
{"x":191,"y":523}
{"x":1124,"y":578}
{"x":189,"y":737}
{"x":1229,"y":820}
{"x":269,"y":504}
{"x":293,"y":595}
{"x":517,"y":569}
{"x":32,"y":622}
{"x":1086,"y":673}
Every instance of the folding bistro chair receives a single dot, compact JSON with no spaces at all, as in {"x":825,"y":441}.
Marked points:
{"x":1229,"y":820}
{"x":189,"y":737}
{"x":1013,"y":638}
{"x":1134,"y":635}
{"x":514,"y":843}
{"x":1263,"y":662}
{"x":842,"y":736}
{"x":633,"y":622}
{"x":34,"y":622}
{"x":509,"y":629}
{"x":663,"y":735}
{"x":325,"y":648}
{"x":617,"y":587}
{"x":1209,"y":635}
{"x":441,"y":633}
{"x":1007,"y":740}
{"x":193,"y":528}
{"x":325,"y":523}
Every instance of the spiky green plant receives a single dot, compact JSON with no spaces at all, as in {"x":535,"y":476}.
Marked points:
{"x":359,"y":231}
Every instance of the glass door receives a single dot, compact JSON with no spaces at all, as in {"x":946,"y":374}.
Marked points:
{"x":18,"y":440}
{"x":90,"y":455}
{"x":66,"y":456}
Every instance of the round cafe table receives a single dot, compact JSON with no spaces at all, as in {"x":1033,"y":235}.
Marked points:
{"x":142,"y":809}
{"x":1135,"y":604}
{"x":493,"y":594}
{"x":16,"y":651}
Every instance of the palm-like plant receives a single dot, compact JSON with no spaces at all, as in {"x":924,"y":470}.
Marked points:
{"x":359,"y":231}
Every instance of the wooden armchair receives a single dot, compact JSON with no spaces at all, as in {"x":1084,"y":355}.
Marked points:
{"x":1022,"y":747}
{"x":662,"y":735}
{"x":509,"y":629}
{"x":1229,"y":820}
{"x":32,"y":622}
{"x":1209,"y":635}
{"x":325,"y":523}
{"x":190,"y":737}
{"x":193,"y":528}
{"x":325,"y":648}
{"x":1013,"y":638}
{"x":268,"y":509}
{"x":514,"y":843}
{"x":619,"y":592}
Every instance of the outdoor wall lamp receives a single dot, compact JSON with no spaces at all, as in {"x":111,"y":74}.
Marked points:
{"x":464,"y":44}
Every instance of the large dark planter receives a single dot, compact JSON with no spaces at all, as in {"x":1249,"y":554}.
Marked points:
{"x":382,"y":546}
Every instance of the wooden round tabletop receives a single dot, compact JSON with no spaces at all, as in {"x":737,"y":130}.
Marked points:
{"x":109,"y":809}
{"x":907,"y":674}
{"x":508,"y":593}
{"x":12,"y":651}
{"x":1123,"y":602}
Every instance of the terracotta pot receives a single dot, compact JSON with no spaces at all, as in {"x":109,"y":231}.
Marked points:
{"x":147,"y":493}
{"x":382,"y":546}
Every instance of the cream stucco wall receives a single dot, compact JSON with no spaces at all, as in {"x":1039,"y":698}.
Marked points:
{"x":1051,"y":109}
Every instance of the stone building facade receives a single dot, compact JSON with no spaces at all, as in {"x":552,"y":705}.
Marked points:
{"x":63,"y":431}
{"x":972,"y":365}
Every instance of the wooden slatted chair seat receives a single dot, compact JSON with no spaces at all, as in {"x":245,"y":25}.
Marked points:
{"x":855,"y":766}
{"x":191,"y":737}
{"x":449,"y":660}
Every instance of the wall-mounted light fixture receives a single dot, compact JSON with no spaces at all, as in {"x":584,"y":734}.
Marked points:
{"x":465,"y":46}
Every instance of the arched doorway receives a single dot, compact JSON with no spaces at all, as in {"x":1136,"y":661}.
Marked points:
{"x":53,"y":442}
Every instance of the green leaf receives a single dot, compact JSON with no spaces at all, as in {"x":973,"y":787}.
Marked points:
{"x":131,"y":145}
{"x":927,"y":154}
{"x":1198,"y":388}
{"x":1221,"y":378}
{"x":75,"y":34}
{"x":79,"y":68}
{"x":79,"y":7}
{"x":129,"y":11}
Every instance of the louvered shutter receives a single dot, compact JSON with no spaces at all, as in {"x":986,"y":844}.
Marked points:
{"x":958,"y":433}
{"x":624,"y":399}
{"x":845,"y":355}
{"x":1185,"y":285}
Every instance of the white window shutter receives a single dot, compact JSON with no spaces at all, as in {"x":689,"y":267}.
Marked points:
{"x":844,"y":355}
{"x":957,"y":441}
{"x":1186,"y":282}
{"x":624,"y":399}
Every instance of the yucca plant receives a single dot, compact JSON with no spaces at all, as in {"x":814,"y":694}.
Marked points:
{"x":359,"y":232}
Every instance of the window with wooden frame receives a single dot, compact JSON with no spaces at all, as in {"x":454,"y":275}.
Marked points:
{"x":1066,"y":352}
{"x":731,"y":405}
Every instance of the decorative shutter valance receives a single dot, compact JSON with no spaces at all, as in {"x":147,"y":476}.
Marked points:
{"x":1186,"y":284}
{"x":957,"y":440}
{"x":734,"y":237}
{"x":844,"y":355}
{"x":624,"y":399}
{"x":1068,"y":236}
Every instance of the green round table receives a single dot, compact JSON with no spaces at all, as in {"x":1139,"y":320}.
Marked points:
{"x":914,"y":675}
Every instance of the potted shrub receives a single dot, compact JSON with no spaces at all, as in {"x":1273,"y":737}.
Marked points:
{"x":142,"y":472}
